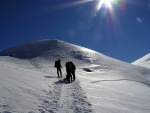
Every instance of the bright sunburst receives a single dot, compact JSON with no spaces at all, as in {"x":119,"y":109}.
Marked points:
{"x":107,"y":3}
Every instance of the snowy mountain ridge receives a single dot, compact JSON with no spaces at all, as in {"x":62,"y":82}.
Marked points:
{"x":29,"y":83}
{"x":51,"y":49}
{"x":144,"y":61}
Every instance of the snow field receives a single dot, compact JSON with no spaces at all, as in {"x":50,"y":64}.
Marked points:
{"x":29,"y":83}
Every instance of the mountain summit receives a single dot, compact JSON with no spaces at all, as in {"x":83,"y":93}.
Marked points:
{"x":54,"y":49}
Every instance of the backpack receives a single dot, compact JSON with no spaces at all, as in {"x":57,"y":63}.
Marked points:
{"x":73,"y":66}
{"x":68,"y":66}
{"x":56,"y":64}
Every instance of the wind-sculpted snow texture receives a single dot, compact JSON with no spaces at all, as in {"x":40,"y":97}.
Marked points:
{"x":29,"y":83}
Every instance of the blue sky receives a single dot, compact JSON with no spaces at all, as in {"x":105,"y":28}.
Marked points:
{"x":120,"y":30}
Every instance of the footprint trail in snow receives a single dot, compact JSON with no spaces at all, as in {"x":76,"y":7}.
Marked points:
{"x":66,"y":98}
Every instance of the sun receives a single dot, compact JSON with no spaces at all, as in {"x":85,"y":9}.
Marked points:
{"x":107,"y":3}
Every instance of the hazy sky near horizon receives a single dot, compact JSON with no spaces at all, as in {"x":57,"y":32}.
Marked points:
{"x":119,"y":28}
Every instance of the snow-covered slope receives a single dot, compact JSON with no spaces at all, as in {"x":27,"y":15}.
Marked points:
{"x":50,"y":50}
{"x":29,"y":83}
{"x":144,"y":61}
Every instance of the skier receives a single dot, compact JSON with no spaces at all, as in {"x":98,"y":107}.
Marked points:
{"x":58,"y":66}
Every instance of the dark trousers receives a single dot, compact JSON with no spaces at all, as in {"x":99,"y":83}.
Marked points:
{"x":59,"y":73}
{"x":73,"y":74}
{"x":69,"y":76}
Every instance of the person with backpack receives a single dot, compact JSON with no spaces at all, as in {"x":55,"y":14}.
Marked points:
{"x":70,"y":69}
{"x":58,"y":66}
{"x":73,"y":70}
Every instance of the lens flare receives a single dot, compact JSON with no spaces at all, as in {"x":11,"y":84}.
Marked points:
{"x":107,"y":3}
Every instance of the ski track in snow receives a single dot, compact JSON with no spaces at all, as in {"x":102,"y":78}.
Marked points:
{"x":66,"y":98}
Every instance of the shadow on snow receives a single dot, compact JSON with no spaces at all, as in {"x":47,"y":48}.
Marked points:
{"x":143,"y":82}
